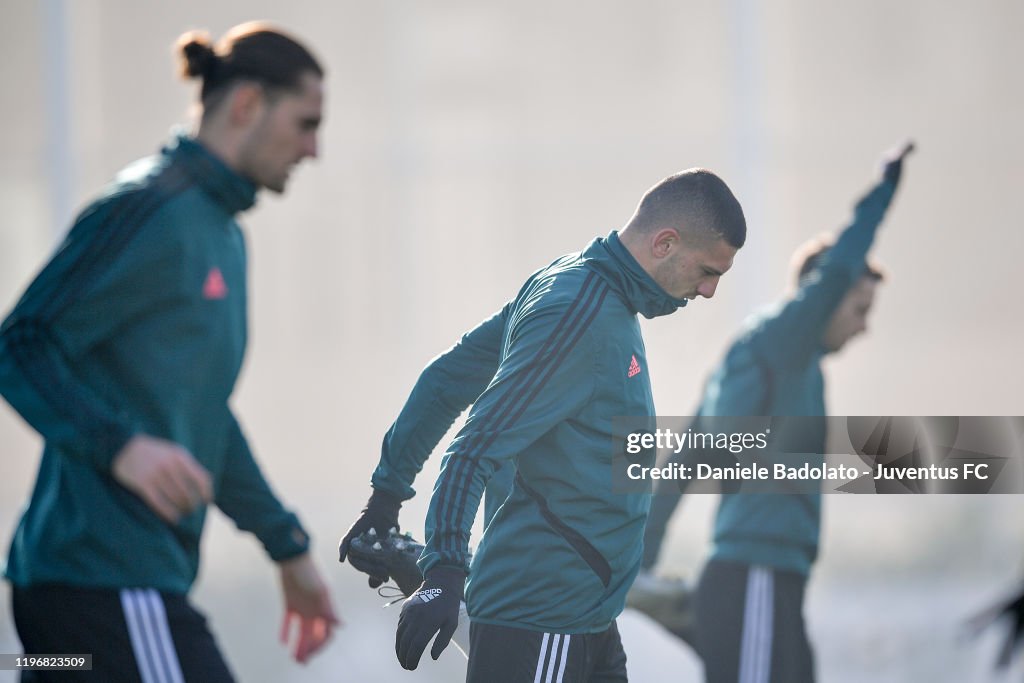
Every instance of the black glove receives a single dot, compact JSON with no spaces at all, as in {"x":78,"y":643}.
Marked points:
{"x":434,"y":608}
{"x":381,"y":515}
{"x":1013,"y":611}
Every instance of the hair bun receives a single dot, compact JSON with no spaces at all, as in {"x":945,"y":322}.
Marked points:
{"x":197,"y":55}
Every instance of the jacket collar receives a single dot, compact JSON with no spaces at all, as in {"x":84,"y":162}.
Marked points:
{"x":229,"y":189}
{"x":613,"y":262}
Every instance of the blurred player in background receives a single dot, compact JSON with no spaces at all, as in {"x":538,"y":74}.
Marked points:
{"x":123,"y":354}
{"x":749,"y":623}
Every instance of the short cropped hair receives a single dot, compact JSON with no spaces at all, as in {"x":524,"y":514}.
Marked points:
{"x":808,"y":256}
{"x":696,"y":200}
{"x":254,"y":51}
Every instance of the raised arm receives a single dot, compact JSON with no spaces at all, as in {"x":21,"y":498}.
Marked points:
{"x":793,"y":334}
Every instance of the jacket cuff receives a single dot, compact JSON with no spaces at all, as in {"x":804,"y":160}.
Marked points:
{"x":385,"y":501}
{"x":287,"y":540}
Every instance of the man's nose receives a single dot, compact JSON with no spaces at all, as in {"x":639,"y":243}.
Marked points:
{"x":311,"y":148}
{"x":707,"y":288}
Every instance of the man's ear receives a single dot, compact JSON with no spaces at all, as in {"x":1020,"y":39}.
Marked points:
{"x":246,"y":103}
{"x":663,"y":241}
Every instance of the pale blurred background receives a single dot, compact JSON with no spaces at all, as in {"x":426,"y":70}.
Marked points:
{"x":467,"y":144}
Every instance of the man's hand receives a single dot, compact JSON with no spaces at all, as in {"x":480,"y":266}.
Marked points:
{"x":380,"y":515}
{"x":893,"y":162}
{"x":434,"y":608}
{"x":166,"y":476}
{"x":307,"y":601}
{"x":872,"y":206}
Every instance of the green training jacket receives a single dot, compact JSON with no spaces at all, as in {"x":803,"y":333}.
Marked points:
{"x":546,"y":375}
{"x":774,"y":368}
{"x":137,"y":325}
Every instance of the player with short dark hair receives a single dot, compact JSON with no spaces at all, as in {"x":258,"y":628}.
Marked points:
{"x":545,"y":376}
{"x":123,"y":354}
